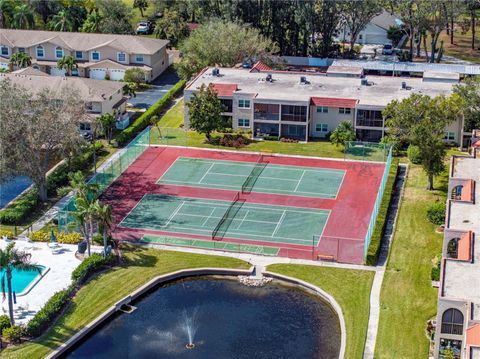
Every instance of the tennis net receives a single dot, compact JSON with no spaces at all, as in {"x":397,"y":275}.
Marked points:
{"x":222,"y":226}
{"x":253,"y":176}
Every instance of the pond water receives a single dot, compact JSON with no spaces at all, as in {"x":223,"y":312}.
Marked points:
{"x":225,"y":319}
{"x":12,"y":188}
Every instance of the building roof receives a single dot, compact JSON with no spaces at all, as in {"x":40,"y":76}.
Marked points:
{"x":225,"y":90}
{"x":260,"y":67}
{"x":81,"y":41}
{"x":27,"y":71}
{"x":287,"y":87}
{"x":87,"y":89}
{"x":385,"y":20}
{"x":333,"y":102}
{"x":345,"y":70}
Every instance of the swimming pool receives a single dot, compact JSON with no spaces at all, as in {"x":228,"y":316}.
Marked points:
{"x":10,"y":189}
{"x":24,"y":281}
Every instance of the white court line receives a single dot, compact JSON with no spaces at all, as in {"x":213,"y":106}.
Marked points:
{"x":206,"y":173}
{"x":209,"y":216}
{"x":199,"y":215}
{"x":243,"y":219}
{"x":279,"y":222}
{"x":300,"y":180}
{"x":173,"y":214}
{"x":266,"y":177}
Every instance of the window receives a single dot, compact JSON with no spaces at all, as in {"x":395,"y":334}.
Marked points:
{"x":321,"y":127}
{"x":244,"y":103}
{"x":78,"y":55}
{"x":84,"y":127}
{"x":40,"y":51}
{"x":294,"y":113}
{"x":138,"y":58}
{"x":322,"y":109}
{"x":21,"y":49}
{"x":95,"y":56}
{"x":452,"y":322}
{"x":58,"y":52}
{"x":457,"y":193}
{"x":344,"y":110}
{"x":121,"y":57}
{"x":452,"y":248}
{"x":450,"y":136}
{"x":450,"y":349}
{"x":5,"y":51}
{"x":360,"y":37}
{"x":243,"y":122}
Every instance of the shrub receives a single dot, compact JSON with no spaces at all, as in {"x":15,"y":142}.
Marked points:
{"x":413,"y":154}
{"x":288,"y":140}
{"x":50,"y":310}
{"x":436,"y":213}
{"x":12,"y":334}
{"x":4,"y":322}
{"x":8,"y":234}
{"x":19,"y":210}
{"x":270,"y":138}
{"x":144,"y":120}
{"x":381,"y":221}
{"x":134,"y":75}
{"x":234,"y":140}
{"x":435,"y":272}
{"x":89,"y":266}
{"x":61,"y":237}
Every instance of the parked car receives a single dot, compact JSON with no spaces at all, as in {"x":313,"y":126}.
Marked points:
{"x":387,"y":49}
{"x":144,"y":28}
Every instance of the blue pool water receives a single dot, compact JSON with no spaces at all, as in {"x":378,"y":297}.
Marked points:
{"x":12,"y":188}
{"x":21,"y":279}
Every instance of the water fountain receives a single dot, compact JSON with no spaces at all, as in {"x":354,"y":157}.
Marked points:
{"x":190,"y":327}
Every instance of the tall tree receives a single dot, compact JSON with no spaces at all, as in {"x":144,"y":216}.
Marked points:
{"x":328,"y":18}
{"x":106,"y":123}
{"x":356,"y":15}
{"x":204,"y":111}
{"x":470,"y":93}
{"x":6,"y":13}
{"x":43,"y":124}
{"x":171,"y":27}
{"x":20,"y":59}
{"x":61,"y":21}
{"x":436,"y":22}
{"x":68,"y":63}
{"x":23,"y":17}
{"x":46,"y":8}
{"x":141,"y":5}
{"x":92,"y":23}
{"x":116,"y":17}
{"x":421,"y":121}
{"x":473,"y":6}
{"x":103,"y":213}
{"x":12,"y":259}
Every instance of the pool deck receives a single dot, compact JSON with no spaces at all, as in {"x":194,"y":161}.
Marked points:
{"x":60,"y":267}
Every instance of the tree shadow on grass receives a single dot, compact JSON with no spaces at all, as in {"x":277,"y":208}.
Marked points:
{"x":138,"y":256}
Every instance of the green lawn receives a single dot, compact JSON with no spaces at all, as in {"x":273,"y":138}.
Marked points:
{"x":407,"y":298}
{"x":106,"y":289}
{"x":350,"y":288}
{"x":174,"y":116}
{"x":136,"y":13}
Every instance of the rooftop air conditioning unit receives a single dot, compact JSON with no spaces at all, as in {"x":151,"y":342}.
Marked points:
{"x":364,"y":82}
{"x":404,"y":85}
{"x":215,"y":72}
{"x":269,"y":78}
{"x":303,"y":80}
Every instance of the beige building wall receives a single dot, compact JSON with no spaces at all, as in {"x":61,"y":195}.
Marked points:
{"x":333,"y":118}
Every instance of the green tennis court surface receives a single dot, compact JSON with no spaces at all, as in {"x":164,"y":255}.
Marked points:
{"x":281,"y":224}
{"x":278,"y":179}
{"x":197,"y":243}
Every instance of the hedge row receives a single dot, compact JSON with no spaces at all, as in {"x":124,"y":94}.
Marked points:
{"x":144,"y":120}
{"x":60,"y":237}
{"x":19,"y":210}
{"x":381,"y":222}
{"x":50,"y":311}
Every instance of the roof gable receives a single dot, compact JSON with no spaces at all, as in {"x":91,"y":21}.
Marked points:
{"x":334,"y":102}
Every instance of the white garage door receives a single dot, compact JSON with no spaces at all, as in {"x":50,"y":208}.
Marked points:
{"x":55,"y":71}
{"x":98,"y":74}
{"x":117,"y":75}
{"x":3,"y":65}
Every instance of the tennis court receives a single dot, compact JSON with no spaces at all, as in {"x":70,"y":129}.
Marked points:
{"x":229,"y":219}
{"x":259,"y":177}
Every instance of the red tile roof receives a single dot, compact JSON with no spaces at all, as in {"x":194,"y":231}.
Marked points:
{"x":225,"y":90}
{"x":260,"y":67}
{"x":333,"y":102}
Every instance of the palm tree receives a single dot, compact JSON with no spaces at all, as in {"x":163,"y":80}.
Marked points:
{"x":10,"y":259}
{"x":92,"y":23}
{"x":6,"y":13}
{"x":62,"y":21}
{"x":104,"y":219}
{"x":23,"y":17}
{"x":20,"y":59}
{"x":106,"y":124}
{"x":68,"y":63}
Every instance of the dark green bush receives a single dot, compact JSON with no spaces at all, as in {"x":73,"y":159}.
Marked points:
{"x":413,"y":153}
{"x":89,"y":266}
{"x":4,"y":322}
{"x":270,"y":138}
{"x":435,"y":272}
{"x":19,"y":210}
{"x":436,"y":213}
{"x":381,"y":222}
{"x":144,"y":120}
{"x":47,"y":314}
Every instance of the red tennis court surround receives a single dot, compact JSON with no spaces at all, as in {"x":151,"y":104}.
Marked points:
{"x":344,"y":232}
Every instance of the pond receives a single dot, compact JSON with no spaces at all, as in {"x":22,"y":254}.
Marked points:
{"x":224,"y":319}
{"x":12,"y":188}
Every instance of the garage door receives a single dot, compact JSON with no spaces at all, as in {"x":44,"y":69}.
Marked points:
{"x":55,"y":71}
{"x":117,"y":75}
{"x":98,"y":74}
{"x":3,"y":65}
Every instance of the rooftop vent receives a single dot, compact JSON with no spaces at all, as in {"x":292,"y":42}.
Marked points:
{"x":303,"y":80}
{"x":215,"y":72}
{"x":269,"y":78}
{"x":364,"y":82}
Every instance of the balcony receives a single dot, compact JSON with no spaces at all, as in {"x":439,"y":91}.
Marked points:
{"x":370,"y":122}
{"x":369,"y":118}
{"x":266,"y":116}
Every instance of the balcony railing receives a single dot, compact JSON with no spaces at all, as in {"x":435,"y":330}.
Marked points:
{"x":266,"y":116}
{"x":294,"y":118}
{"x":370,"y":122}
{"x":455,"y":329}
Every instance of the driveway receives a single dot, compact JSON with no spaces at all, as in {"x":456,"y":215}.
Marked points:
{"x":160,"y":87}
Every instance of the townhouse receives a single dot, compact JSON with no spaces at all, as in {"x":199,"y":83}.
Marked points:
{"x":98,"y":56}
{"x":458,"y":318}
{"x":100,"y":96}
{"x":304,"y":105}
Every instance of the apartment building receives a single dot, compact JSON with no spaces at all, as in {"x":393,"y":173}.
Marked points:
{"x":100,"y":96}
{"x":304,"y":105}
{"x":458,"y":317}
{"x":98,"y":55}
